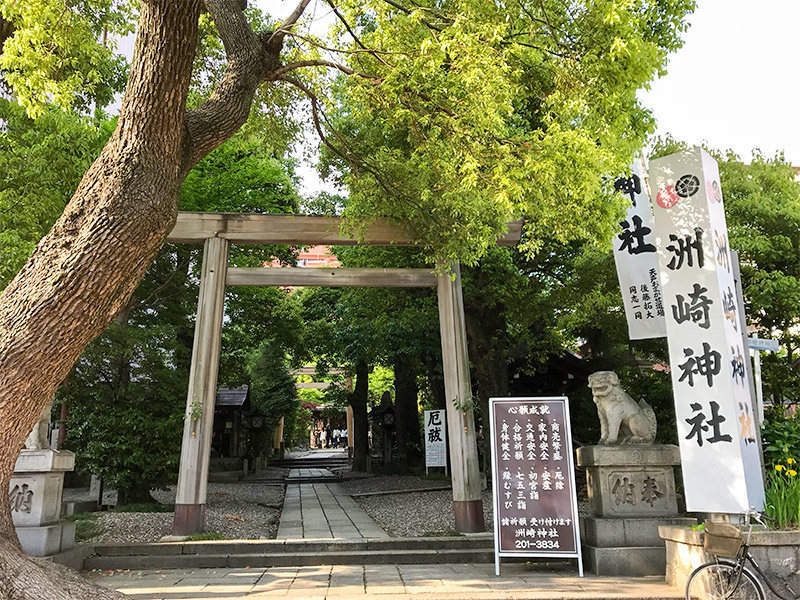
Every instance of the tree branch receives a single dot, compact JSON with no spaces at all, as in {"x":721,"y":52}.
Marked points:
{"x":321,"y":46}
{"x":276,"y":74}
{"x":348,"y":154}
{"x":291,"y":20}
{"x":353,"y":33}
{"x":251,"y":58}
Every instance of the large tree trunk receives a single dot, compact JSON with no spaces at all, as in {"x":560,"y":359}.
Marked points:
{"x":406,"y":412}
{"x":86,"y":268}
{"x":358,"y":402}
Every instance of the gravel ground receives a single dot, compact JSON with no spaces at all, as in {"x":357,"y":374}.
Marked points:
{"x":416,"y":514}
{"x":419,"y":514}
{"x":233,"y":510}
{"x":389,"y":483}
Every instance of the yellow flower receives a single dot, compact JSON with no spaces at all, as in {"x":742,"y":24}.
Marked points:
{"x":779,"y":468}
{"x":791,"y":472}
{"x":790,"y":461}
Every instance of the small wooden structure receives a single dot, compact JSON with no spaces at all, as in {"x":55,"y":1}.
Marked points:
{"x":216,"y":231}
{"x":228,"y":413}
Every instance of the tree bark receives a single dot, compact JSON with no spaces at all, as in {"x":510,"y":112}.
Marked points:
{"x":358,"y":402}
{"x":406,"y":412}
{"x":85,"y":269}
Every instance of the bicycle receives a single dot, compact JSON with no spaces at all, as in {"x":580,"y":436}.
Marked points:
{"x":730,"y":578}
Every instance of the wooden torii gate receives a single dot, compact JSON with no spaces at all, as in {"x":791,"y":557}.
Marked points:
{"x":216,"y":231}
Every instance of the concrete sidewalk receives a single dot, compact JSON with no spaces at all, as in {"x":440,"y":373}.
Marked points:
{"x":390,"y":582}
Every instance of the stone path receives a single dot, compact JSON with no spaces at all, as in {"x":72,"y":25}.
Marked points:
{"x":324,"y":511}
{"x":390,"y":582}
{"x":309,"y":473}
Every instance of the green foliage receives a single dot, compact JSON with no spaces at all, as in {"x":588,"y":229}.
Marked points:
{"x":272,"y":388}
{"x":381,"y":380}
{"x":782,"y":495}
{"x":476,"y":113}
{"x":127,"y":393}
{"x":63,"y":52}
{"x":86,"y":526}
{"x":42,"y":161}
{"x":780,"y":436}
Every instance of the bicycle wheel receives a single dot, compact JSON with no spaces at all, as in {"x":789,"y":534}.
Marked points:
{"x":721,"y":581}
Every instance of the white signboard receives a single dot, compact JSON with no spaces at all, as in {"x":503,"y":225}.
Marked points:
{"x":637,"y":263}
{"x":763,"y":345}
{"x":435,"y":439}
{"x":716,"y":429}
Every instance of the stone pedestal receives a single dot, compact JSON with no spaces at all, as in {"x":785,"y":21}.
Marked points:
{"x":35,"y":496}
{"x":631,"y":492}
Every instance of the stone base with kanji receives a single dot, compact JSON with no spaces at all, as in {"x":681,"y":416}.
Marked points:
{"x":631,"y":492}
{"x":35,"y":496}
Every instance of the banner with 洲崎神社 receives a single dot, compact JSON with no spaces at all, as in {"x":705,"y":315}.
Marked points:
{"x":720,"y":457}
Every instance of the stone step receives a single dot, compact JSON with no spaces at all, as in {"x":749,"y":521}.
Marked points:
{"x":229,"y":547}
{"x":291,"y":559}
{"x":294,"y":463}
{"x":224,"y":476}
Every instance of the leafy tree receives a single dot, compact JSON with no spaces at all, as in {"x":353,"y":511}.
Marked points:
{"x":273,"y":391}
{"x":446,"y":75}
{"x":127,"y":394}
{"x":762,"y":204}
{"x":42,"y":161}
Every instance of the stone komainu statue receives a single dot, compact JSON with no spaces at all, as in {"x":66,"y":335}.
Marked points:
{"x":622,"y":420}
{"x":37,"y":439}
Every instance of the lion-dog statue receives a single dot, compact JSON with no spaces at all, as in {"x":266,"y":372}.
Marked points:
{"x":622,"y":420}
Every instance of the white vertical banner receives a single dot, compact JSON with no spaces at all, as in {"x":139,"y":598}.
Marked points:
{"x":636,"y":260}
{"x":716,"y":430}
{"x":435,"y":438}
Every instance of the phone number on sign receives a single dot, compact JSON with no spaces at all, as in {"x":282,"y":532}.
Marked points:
{"x":538,"y":544}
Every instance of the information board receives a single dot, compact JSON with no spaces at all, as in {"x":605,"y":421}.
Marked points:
{"x":435,"y":439}
{"x":535,"y":504}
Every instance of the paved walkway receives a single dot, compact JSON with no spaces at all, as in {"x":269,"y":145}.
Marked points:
{"x":324,"y":511}
{"x":310,"y":473}
{"x":390,"y":582}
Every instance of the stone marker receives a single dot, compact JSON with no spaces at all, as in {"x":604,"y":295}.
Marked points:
{"x":35,"y":494}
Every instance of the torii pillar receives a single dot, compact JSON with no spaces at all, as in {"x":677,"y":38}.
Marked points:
{"x":467,"y":502}
{"x":190,"y":504}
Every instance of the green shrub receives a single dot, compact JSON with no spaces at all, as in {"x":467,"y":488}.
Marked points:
{"x":86,"y":526}
{"x":780,"y":436}
{"x":783,"y":494}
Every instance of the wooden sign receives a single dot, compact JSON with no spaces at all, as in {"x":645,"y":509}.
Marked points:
{"x":535,"y":504}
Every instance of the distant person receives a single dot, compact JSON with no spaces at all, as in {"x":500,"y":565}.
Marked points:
{"x":323,"y":438}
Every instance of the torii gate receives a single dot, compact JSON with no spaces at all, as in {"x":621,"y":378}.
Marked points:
{"x":216,"y":231}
